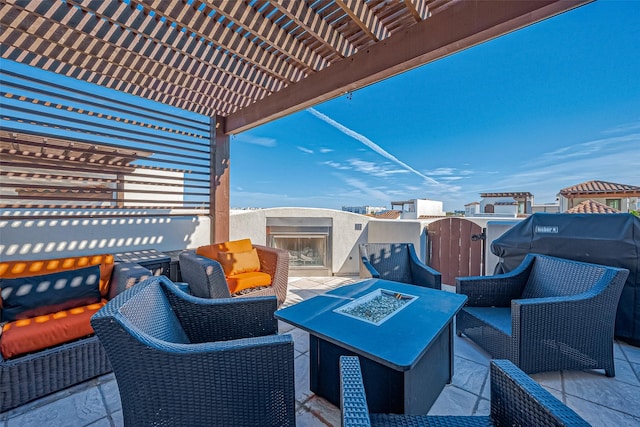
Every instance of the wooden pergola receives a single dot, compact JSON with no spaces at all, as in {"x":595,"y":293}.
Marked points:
{"x":247,"y":62}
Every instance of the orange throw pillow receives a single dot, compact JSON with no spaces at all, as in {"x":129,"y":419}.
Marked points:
{"x":239,"y":262}
{"x":211,"y":251}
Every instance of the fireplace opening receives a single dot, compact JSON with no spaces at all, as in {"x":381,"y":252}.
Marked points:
{"x":308,"y":241}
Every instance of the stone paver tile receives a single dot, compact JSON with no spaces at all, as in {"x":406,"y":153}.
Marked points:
{"x":609,"y":392}
{"x":301,"y":369}
{"x":632,"y":353}
{"x":556,"y":393}
{"x":626,"y":373}
{"x":111,"y":395}
{"x":284,"y":327}
{"x":484,"y":408}
{"x":454,"y":401}
{"x":311,"y":283}
{"x":102,"y":422}
{"x":463,"y":347}
{"x":600,"y":416}
{"x":300,"y":340}
{"x":304,"y":418}
{"x":118,"y":419}
{"x":79,"y":409}
{"x":617,"y":351}
{"x":304,"y":294}
{"x":636,"y":369}
{"x":337,"y":282}
{"x":551,"y":379}
{"x":469,"y":375}
{"x":324,"y":411}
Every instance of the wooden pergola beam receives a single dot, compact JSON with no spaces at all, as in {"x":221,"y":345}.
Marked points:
{"x":364,"y":17}
{"x":458,"y":27}
{"x":312,"y":23}
{"x":418,"y":9}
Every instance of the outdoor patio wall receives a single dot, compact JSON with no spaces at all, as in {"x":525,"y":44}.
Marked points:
{"x":49,"y":238}
{"x":345,"y":238}
{"x":348,"y":231}
{"x":399,"y":231}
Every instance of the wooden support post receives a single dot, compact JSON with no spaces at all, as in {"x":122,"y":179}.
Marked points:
{"x":219,"y":207}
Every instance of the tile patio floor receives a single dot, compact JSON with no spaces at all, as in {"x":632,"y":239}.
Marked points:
{"x":600,"y":400}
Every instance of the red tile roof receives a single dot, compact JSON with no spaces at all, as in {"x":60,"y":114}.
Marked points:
{"x":600,"y":187}
{"x":392,"y":214}
{"x":591,"y":206}
{"x":508,"y":194}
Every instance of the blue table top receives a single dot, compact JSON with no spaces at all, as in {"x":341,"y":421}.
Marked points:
{"x":399,"y":342}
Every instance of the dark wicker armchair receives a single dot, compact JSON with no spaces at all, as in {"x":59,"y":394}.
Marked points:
{"x":180,"y":360}
{"x":548,"y":314}
{"x":397,"y":262}
{"x":206,"y":277}
{"x":516,"y":400}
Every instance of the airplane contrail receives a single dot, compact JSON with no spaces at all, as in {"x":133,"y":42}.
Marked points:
{"x":369,"y":143}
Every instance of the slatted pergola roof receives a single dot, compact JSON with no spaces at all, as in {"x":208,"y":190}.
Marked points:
{"x":250,"y":61}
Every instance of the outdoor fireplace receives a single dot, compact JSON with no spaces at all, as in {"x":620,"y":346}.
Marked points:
{"x":308,"y":241}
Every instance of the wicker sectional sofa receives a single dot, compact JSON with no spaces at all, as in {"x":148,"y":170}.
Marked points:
{"x":28,"y":372}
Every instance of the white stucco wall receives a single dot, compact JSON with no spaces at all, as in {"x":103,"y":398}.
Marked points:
{"x":49,"y":238}
{"x":345,"y":235}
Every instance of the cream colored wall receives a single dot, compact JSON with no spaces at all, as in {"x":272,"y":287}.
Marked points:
{"x":47,"y":238}
{"x":345,"y":237}
{"x":626,"y":203}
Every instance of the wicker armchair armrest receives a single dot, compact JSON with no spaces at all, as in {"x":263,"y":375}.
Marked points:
{"x":205,"y":276}
{"x":353,"y":400}
{"x":223,"y":319}
{"x":516,"y":399}
{"x":497,"y":290}
{"x":367,"y":271}
{"x":125,"y":275}
{"x":422,"y":274}
{"x":275,"y":262}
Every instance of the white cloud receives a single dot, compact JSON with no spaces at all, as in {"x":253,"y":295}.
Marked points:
{"x":305,"y":150}
{"x":380,"y":171}
{"x":256,"y":140}
{"x":442,"y":171}
{"x":627,"y":127}
{"x":337,"y":165}
{"x":363,"y":187}
{"x":367,"y":142}
{"x":587,"y":151}
{"x":326,"y":150}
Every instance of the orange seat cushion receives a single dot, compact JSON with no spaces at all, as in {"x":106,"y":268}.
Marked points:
{"x":243,"y":281}
{"x":239,"y":262}
{"x":16,"y":269}
{"x":211,"y":251}
{"x":37,"y":333}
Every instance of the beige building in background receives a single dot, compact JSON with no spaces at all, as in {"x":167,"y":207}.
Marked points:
{"x":621,"y":197}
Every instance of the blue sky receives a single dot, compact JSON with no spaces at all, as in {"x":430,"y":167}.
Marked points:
{"x":549,"y":106}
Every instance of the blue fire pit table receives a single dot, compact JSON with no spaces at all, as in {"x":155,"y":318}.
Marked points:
{"x":406,"y":357}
